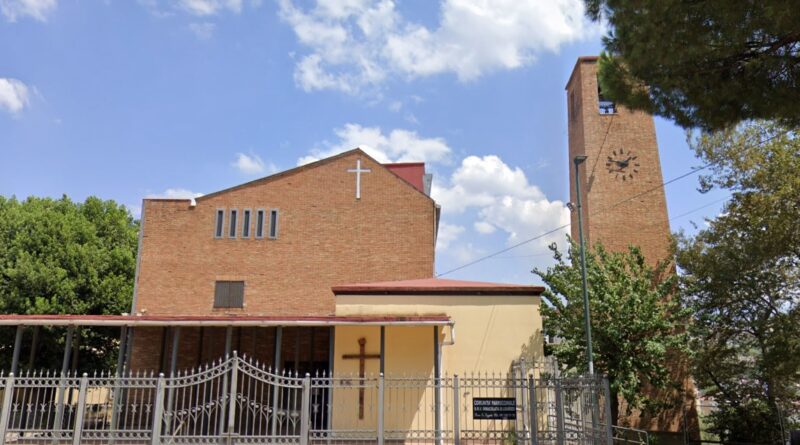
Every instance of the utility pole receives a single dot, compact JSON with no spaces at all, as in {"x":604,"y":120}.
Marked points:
{"x":587,"y":318}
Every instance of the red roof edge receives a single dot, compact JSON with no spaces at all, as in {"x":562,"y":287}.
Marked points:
{"x":215,"y":320}
{"x":434,"y":286}
{"x":411,"y":172}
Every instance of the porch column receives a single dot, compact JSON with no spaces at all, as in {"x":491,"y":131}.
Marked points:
{"x":383,"y":349}
{"x":437,"y":376}
{"x":17,"y":346}
{"x":277,"y":361}
{"x":123,"y":349}
{"x":129,"y":349}
{"x":331,"y":358}
{"x":34,"y":346}
{"x":67,"y":350}
{"x":228,"y":340}
{"x":176,"y":338}
{"x":57,"y":422}
{"x":223,"y":409}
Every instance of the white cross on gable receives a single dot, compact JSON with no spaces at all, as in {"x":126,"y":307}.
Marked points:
{"x":358,"y":170}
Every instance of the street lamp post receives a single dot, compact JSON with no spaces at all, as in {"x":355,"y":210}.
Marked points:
{"x":587,"y":318}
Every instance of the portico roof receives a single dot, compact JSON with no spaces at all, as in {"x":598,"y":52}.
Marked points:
{"x":437,"y":286}
{"x":219,"y":320}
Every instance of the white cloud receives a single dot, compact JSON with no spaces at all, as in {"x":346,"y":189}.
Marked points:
{"x":466,"y":252}
{"x":36,"y":9}
{"x":447,"y":234}
{"x":176,"y":193}
{"x":252,"y":164}
{"x":396,"y":146}
{"x":198,"y":8}
{"x":501,"y":197}
{"x":14,"y":95}
{"x":355,"y":45}
{"x":480,"y":182}
{"x":484,"y":227}
{"x":203,"y":31}
{"x":210,"y":7}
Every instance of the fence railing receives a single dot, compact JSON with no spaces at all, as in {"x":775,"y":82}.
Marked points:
{"x":240,"y":401}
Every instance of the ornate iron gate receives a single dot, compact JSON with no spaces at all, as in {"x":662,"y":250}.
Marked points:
{"x":238,"y":401}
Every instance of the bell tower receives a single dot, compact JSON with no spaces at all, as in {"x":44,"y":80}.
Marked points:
{"x":623,"y":202}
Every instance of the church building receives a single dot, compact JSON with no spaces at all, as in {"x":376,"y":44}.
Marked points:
{"x":325,"y":267}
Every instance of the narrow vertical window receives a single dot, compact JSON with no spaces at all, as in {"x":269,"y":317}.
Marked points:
{"x":607,"y":106}
{"x":220,"y":223}
{"x":246,"y":223}
{"x":260,"y":223}
{"x":573,"y":106}
{"x":232,"y":232}
{"x":273,"y":223}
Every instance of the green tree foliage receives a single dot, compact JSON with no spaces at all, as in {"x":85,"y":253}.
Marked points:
{"x":637,"y":323}
{"x":741,"y":278}
{"x":707,"y":64}
{"x":62,"y":257}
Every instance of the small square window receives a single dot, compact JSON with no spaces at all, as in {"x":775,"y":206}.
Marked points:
{"x":232,"y":231}
{"x":229,"y":294}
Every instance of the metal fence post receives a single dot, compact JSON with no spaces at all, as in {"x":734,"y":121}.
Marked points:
{"x":158,"y":411}
{"x":305,"y":410}
{"x":533,"y":411}
{"x":380,"y":408}
{"x":78,"y":429}
{"x":7,"y":397}
{"x":559,"y":414}
{"x":456,"y":413}
{"x":609,"y":420}
{"x":523,"y":374}
{"x":232,"y":400}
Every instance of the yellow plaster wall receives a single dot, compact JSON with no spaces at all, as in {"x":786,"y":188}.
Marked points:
{"x":409,"y":352}
{"x":345,"y":398}
{"x":491,"y":331}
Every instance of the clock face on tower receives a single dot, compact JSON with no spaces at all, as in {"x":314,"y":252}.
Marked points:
{"x":622,"y":164}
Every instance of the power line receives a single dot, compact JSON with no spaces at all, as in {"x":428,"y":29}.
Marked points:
{"x":551,"y":231}
{"x":688,"y":212}
{"x":564,"y":226}
{"x":697,"y":209}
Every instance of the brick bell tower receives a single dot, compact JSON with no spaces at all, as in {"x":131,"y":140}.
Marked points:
{"x":622,"y":164}
{"x":623,"y":204}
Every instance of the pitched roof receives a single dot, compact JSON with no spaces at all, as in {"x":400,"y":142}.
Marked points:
{"x":309,"y":166}
{"x":437,"y":286}
{"x":412,"y":172}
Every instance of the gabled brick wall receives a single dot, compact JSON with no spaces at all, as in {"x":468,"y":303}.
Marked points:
{"x":326,"y":237}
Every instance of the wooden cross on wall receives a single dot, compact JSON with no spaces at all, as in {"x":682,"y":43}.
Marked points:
{"x":362,"y":358}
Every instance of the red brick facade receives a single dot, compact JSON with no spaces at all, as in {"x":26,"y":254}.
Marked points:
{"x":619,"y":212}
{"x":642,"y":219}
{"x":325,"y":237}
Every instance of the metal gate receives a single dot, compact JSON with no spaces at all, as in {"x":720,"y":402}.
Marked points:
{"x":239,"y":401}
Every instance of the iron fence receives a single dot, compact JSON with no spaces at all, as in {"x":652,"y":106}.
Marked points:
{"x":240,"y":401}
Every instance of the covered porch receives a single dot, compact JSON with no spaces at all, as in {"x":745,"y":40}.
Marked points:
{"x":297,"y":345}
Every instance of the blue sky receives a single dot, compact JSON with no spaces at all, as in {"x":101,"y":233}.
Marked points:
{"x":128,"y":99}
